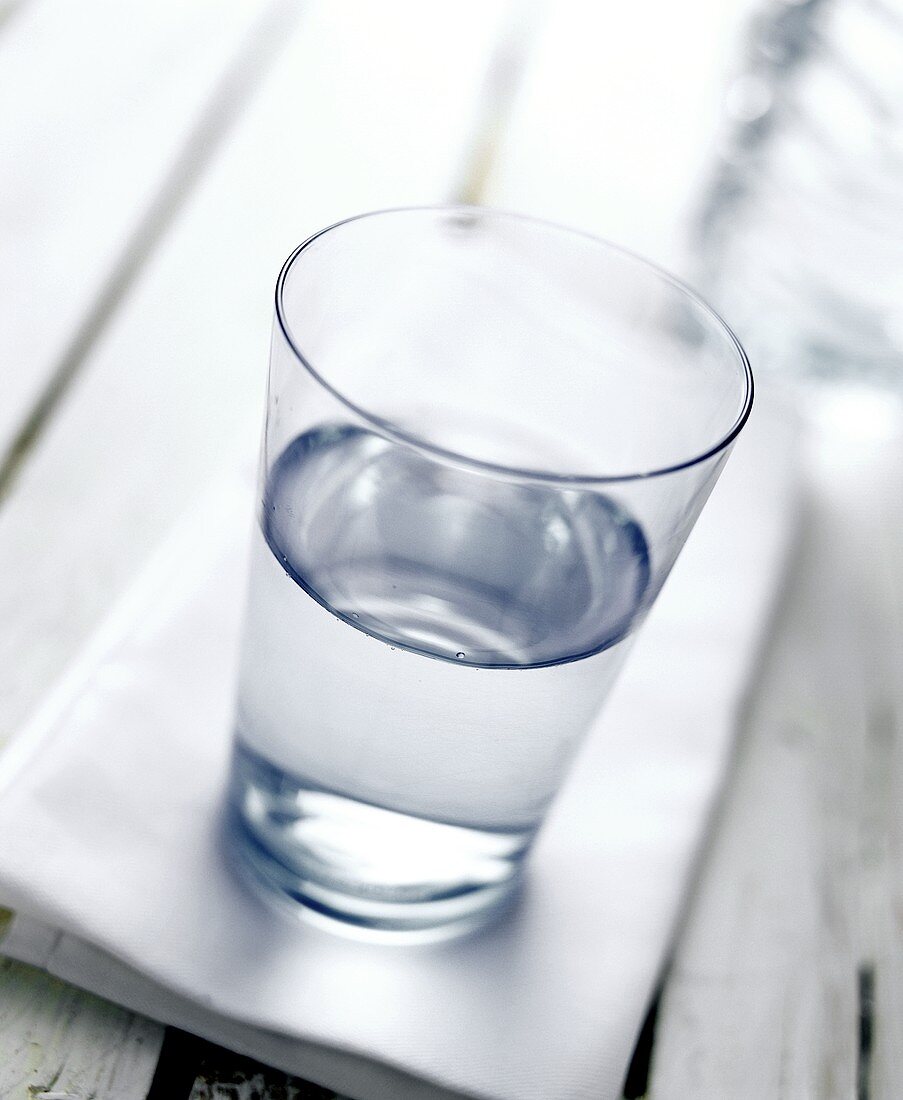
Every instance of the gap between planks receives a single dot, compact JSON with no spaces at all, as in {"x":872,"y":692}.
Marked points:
{"x":786,"y":981}
{"x":8,"y":11}
{"x":226,"y":102}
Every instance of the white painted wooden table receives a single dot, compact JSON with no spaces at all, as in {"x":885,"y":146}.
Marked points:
{"x":159,"y":161}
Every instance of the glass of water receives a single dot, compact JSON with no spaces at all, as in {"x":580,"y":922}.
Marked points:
{"x":487,"y":438}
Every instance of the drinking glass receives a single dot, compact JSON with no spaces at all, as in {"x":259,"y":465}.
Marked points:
{"x":487,"y":438}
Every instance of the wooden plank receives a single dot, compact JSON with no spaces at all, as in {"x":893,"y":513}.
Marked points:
{"x":74,"y":193}
{"x":58,"y":1043}
{"x":101,"y":100}
{"x":365,"y":108}
{"x":172,"y":389}
{"x":789,"y":981}
{"x":786,"y":980}
{"x":85,"y":202}
{"x":614,"y":126}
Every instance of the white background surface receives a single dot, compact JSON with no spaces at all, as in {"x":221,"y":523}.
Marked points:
{"x":159,"y":162}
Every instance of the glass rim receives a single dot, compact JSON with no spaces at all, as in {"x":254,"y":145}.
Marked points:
{"x":400,"y":435}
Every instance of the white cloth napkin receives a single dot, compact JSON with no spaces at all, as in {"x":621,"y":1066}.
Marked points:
{"x":110,"y":843}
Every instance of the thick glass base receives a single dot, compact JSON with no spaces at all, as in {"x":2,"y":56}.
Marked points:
{"x":367,"y":867}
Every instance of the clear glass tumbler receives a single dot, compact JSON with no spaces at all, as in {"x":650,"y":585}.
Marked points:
{"x":487,"y":438}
